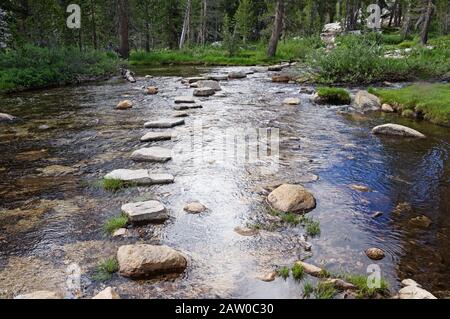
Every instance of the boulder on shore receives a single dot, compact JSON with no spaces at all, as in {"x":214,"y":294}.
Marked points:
{"x":413,"y":290}
{"x":365,"y":102}
{"x":397,"y":130}
{"x":143,"y":261}
{"x":291,"y":198}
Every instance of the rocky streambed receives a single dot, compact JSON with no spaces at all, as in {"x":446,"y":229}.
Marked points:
{"x":213,"y":215}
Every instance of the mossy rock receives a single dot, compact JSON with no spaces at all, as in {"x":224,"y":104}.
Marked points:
{"x":334,"y":96}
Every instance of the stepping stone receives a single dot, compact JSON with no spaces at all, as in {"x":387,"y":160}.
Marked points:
{"x":150,"y":211}
{"x":218,"y":77}
{"x":141,"y":177}
{"x":165,"y":123}
{"x":156,"y":136}
{"x":152,"y":154}
{"x":184,"y":107}
{"x":237,"y":75}
{"x":180,"y":114}
{"x":193,"y":79}
{"x":204,"y":92}
{"x":291,"y":101}
{"x":209,"y":84}
{"x":184,"y":99}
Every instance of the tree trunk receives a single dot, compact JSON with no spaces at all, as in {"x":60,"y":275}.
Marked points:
{"x":407,"y":22}
{"x":427,"y":21}
{"x":277,"y":29}
{"x":202,"y":34}
{"x":94,"y":26}
{"x":185,"y":24}
{"x":122,"y":12}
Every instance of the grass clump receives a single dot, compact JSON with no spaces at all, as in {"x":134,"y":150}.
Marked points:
{"x":115,"y":223}
{"x":112,"y":185}
{"x":312,"y":226}
{"x":335,"y":96}
{"x":308,"y":289}
{"x":298,"y":272}
{"x":364,"y":292}
{"x":324,"y":290}
{"x":283,"y":272}
{"x":430,"y":101}
{"x":106,"y":269}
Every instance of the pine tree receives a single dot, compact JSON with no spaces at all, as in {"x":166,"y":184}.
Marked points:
{"x":244,"y":19}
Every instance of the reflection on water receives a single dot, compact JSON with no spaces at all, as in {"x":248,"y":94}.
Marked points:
{"x":51,"y":215}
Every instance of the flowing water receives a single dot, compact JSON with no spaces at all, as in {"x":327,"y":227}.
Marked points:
{"x":52,"y":213}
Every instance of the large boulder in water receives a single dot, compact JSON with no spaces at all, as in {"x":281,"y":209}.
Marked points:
{"x":291,"y":199}
{"x":365,"y":102}
{"x":397,"y":130}
{"x":143,"y":261}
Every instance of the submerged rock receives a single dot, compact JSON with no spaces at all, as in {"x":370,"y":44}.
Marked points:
{"x":360,"y":188}
{"x":364,"y":101}
{"x":164,"y":123}
{"x":107,"y":294}
{"x":41,"y":295}
{"x":156,"y":136}
{"x":375,"y":253}
{"x":209,"y":84}
{"x":269,"y":277}
{"x":245,"y":231}
{"x":291,"y":198}
{"x":125,"y":105}
{"x":291,"y":101}
{"x":150,"y":211}
{"x":140,"y":177}
{"x":397,"y":130}
{"x":413,"y":290}
{"x":195,"y":208}
{"x":152,"y":154}
{"x":184,"y":99}
{"x":204,"y":92}
{"x":143,"y":261}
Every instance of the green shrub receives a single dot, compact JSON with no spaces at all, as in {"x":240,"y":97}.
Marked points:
{"x":335,"y":96}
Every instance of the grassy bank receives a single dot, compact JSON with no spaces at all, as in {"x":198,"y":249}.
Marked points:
{"x":256,"y":54}
{"x":428,"y":101}
{"x":33,"y":67}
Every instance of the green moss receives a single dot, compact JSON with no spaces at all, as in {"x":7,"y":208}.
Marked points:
{"x":106,"y":269}
{"x":336,"y":96}
{"x":115,"y":223}
{"x":324,"y":290}
{"x":430,"y":100}
{"x":283,"y":272}
{"x":298,"y":272}
{"x":363,"y":291}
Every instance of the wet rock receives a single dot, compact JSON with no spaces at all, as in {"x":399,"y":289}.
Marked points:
{"x":307,"y":91}
{"x":152,"y":154}
{"x":43,"y":127}
{"x":360,"y":188}
{"x":152,"y":90}
{"x":245,"y":231}
{"x":413,"y":290}
{"x":311,"y":269}
{"x":150,"y":211}
{"x":387,"y":108}
{"x":421,"y":221}
{"x":193,"y":79}
{"x":341,"y":284}
{"x":275,"y":68}
{"x":121,"y":232}
{"x":140,"y":177}
{"x":259,"y":69}
{"x":375,"y":253}
{"x":364,"y":101}
{"x":209,"y":84}
{"x":165,"y":123}
{"x":41,"y":295}
{"x":204,"y":92}
{"x":194,"y":85}
{"x":56,"y":170}
{"x":142,"y":261}
{"x":237,"y":75}
{"x":397,"y":130}
{"x":125,"y":105}
{"x":281,"y":79}
{"x":7,"y":118}
{"x":377,"y":214}
{"x":291,"y":101}
{"x":148,"y":76}
{"x":184,"y":100}
{"x":195,"y":208}
{"x":291,"y":198}
{"x":269,"y":277}
{"x":156,"y":136}
{"x":183,"y":107}
{"x":180,"y":114}
{"x":219,"y":77}
{"x":403,"y":208}
{"x":106,"y":294}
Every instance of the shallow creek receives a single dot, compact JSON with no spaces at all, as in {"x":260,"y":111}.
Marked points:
{"x":51,"y":214}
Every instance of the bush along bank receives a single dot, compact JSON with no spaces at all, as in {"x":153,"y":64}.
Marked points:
{"x":32,"y":67}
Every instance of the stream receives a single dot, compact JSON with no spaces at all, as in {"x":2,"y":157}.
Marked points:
{"x":52,"y":214}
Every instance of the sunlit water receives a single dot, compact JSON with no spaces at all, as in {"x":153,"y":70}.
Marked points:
{"x":50,"y":222}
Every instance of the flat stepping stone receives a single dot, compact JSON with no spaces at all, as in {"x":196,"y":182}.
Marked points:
{"x":156,"y":136}
{"x":204,"y":92}
{"x":150,"y":211}
{"x":184,"y":107}
{"x":218,"y":77}
{"x":209,"y":84}
{"x":193,"y":79}
{"x":180,"y":114}
{"x":184,"y":99}
{"x":165,"y":123}
{"x":141,"y":177}
{"x":291,"y":101}
{"x":195,"y":208}
{"x":152,"y":154}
